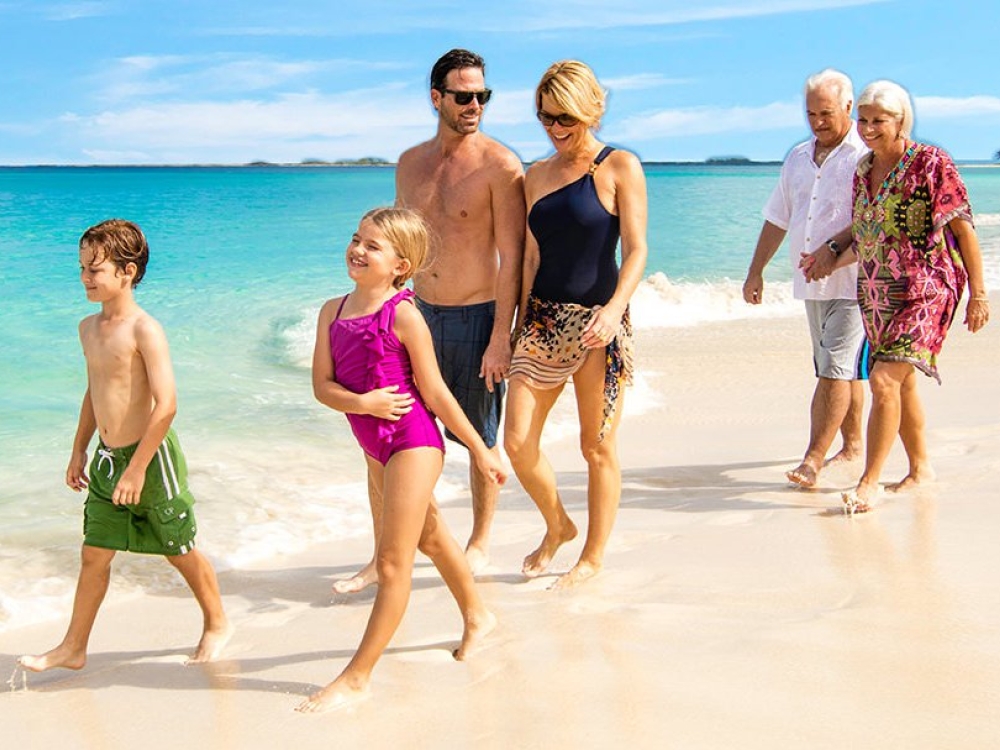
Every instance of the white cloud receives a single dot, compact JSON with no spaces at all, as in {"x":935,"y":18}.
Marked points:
{"x":639,"y":82}
{"x":689,"y":121}
{"x":954,"y":108}
{"x":74,"y":11}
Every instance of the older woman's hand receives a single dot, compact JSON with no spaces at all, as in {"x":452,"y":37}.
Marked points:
{"x":977,"y":313}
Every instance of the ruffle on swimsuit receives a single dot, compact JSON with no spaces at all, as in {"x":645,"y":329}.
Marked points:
{"x":548,"y":351}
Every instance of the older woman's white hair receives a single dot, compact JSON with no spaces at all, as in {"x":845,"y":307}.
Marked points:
{"x":891,"y":98}
{"x":834,"y":78}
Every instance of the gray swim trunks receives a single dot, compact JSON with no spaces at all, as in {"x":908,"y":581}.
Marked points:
{"x":461,"y":334}
{"x":840,"y":348}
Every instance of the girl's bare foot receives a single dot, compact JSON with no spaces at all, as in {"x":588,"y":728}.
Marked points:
{"x":536,"y":563}
{"x":913,"y":480}
{"x":340,"y":693}
{"x":358,"y":582}
{"x":475,"y":631}
{"x":61,"y":656}
{"x":860,"y":500}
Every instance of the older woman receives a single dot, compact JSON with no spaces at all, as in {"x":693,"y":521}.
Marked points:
{"x":913,"y":232}
{"x":574,"y":312}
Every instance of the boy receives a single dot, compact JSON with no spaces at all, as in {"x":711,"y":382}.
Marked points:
{"x":137,"y":495}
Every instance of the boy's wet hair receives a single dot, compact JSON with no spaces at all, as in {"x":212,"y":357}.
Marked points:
{"x":121,"y":242}
{"x":408,"y":234}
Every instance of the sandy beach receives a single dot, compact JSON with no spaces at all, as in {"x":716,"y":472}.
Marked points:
{"x":734,"y":611}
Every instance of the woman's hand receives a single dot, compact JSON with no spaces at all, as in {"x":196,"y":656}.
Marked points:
{"x":602,"y":328}
{"x":977,"y":313}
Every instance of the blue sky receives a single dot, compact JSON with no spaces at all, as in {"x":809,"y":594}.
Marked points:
{"x":232,"y":81}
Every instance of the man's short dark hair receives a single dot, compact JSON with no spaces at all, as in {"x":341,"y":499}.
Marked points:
{"x":456,"y":59}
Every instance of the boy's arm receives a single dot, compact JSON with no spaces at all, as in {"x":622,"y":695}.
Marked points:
{"x":152,"y":345}
{"x":76,"y":472}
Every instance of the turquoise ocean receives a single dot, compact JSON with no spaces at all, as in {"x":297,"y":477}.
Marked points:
{"x":242,"y":258}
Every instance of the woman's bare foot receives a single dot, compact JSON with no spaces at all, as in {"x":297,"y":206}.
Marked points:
{"x":861,"y":499}
{"x":576,"y":575}
{"x":536,"y":563}
{"x":211,"y":644}
{"x":61,"y":656}
{"x":475,"y":631}
{"x":802,"y":475}
{"x":359,"y":581}
{"x":340,"y":693}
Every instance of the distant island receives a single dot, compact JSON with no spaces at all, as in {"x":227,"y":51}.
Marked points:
{"x":364,"y":161}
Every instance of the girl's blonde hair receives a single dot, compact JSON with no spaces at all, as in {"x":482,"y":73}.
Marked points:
{"x":573,"y":86}
{"x":407,"y":233}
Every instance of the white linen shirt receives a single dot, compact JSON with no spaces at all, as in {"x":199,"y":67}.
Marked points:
{"x":812,"y":204}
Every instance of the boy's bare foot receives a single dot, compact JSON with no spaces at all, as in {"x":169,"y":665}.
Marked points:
{"x":576,"y":575}
{"x":475,"y":631}
{"x":359,"y":581}
{"x":912,"y":480}
{"x":211,"y":644}
{"x":478,"y":558}
{"x":802,"y":475}
{"x":338,"y":694}
{"x":61,"y":656}
{"x":536,"y":563}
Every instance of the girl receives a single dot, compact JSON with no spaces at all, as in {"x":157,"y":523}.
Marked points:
{"x":372,"y":348}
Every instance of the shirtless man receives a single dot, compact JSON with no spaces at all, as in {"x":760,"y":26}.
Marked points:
{"x":137,"y":495}
{"x":470,"y":190}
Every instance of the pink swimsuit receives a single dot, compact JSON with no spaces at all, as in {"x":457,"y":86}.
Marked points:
{"x":366,"y":356}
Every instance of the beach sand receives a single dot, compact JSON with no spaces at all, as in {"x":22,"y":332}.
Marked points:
{"x":734,"y":610}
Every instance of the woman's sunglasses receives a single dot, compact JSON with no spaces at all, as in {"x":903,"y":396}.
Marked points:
{"x":465,"y":97}
{"x":567,"y":121}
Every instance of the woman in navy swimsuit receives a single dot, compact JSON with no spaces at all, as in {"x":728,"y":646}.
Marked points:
{"x":573,"y":319}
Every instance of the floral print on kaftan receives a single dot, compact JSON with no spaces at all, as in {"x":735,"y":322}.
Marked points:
{"x":910,"y":270}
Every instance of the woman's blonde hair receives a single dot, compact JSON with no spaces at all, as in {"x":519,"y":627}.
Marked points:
{"x":407,"y":233}
{"x":892,"y":98}
{"x":573,"y":86}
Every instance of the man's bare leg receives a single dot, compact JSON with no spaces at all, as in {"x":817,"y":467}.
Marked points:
{"x":484,"y":505}
{"x":369,"y":573}
{"x":851,"y":429}
{"x":91,"y":587}
{"x":217,"y":630}
{"x":831,"y":403}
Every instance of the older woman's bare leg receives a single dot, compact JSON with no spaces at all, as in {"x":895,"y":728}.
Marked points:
{"x":913,"y":433}
{"x":527,"y":410}
{"x":604,"y":476}
{"x":884,"y":424}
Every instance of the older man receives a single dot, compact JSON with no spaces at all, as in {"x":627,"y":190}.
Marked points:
{"x":811,"y":205}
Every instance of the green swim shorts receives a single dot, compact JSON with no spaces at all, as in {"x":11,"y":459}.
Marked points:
{"x":161,"y":523}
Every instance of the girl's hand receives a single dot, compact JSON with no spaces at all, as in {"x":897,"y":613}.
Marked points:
{"x":601,"y":329}
{"x":76,"y":475}
{"x":385,"y":403}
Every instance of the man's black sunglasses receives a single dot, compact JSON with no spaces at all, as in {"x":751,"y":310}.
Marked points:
{"x":465,"y":97}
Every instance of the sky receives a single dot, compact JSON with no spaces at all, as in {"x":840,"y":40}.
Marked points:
{"x":235,"y":81}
